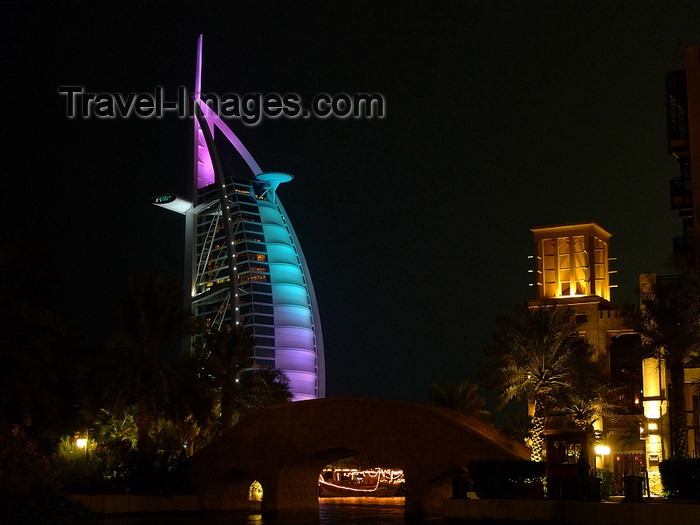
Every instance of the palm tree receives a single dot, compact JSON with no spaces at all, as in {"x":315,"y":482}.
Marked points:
{"x":146,"y":352}
{"x":226,"y":364}
{"x":517,"y":425}
{"x":33,"y":341}
{"x":669,"y":324}
{"x":590,"y":398}
{"x":116,"y":429}
{"x":463,"y":397}
{"x":540,"y":354}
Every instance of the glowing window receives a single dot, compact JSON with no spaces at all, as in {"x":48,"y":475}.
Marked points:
{"x":571,"y":267}
{"x":600,"y":250}
{"x":580,"y":266}
{"x":248,"y":277}
{"x":564,"y":251}
{"x":549,"y":268}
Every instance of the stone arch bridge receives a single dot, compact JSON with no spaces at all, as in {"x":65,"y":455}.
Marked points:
{"x":284,"y":447}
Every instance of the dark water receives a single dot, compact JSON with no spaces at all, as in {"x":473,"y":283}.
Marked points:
{"x":347,"y":513}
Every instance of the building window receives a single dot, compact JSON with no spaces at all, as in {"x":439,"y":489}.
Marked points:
{"x":265,"y":341}
{"x":265,"y":352}
{"x":549,"y":265}
{"x":248,"y":277}
{"x":565,"y":267}
{"x":264,"y":330}
{"x":580,"y":283}
{"x":600,"y":258}
{"x":564,"y":253}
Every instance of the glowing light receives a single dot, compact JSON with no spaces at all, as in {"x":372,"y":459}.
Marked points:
{"x":379,"y":475}
{"x":255,"y":493}
{"x":654,"y":445}
{"x":652,"y":409}
{"x":602,"y":450}
{"x":653,"y":426}
{"x":81,"y":442}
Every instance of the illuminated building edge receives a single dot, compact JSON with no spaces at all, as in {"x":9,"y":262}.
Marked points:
{"x":244,"y":264}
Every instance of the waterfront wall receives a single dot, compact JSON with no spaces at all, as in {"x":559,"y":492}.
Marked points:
{"x":283,"y":449}
{"x":572,"y":512}
{"x":132,"y":504}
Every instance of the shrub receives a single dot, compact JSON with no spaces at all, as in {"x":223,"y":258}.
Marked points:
{"x":496,"y":479}
{"x":23,"y":467}
{"x":29,"y":491}
{"x":94,"y":470}
{"x":606,"y":482}
{"x":680,"y":477}
{"x":115,"y":468}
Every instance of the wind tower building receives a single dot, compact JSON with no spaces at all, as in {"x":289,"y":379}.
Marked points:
{"x":243,"y":262}
{"x":573,"y":270}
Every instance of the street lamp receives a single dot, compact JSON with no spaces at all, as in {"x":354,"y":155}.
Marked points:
{"x":82,"y":442}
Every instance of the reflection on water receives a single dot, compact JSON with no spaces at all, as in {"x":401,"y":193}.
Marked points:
{"x":332,"y":511}
{"x":356,"y":511}
{"x":365,"y":502}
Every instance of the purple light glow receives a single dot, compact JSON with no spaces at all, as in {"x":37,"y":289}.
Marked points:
{"x":205,"y":168}
{"x":215,"y":120}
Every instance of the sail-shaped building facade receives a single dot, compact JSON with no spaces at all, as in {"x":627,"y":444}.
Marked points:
{"x":243,"y":262}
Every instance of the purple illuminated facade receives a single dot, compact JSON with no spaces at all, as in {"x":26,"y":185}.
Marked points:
{"x":243,"y":259}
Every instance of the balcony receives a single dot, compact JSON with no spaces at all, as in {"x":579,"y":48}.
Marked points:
{"x":681,"y":193}
{"x":684,"y":253}
{"x":677,"y":113}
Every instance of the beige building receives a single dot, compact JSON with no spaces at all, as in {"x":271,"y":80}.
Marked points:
{"x":573,"y":269}
{"x":657,"y":381}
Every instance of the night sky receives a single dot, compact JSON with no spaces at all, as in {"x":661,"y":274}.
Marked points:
{"x":500,"y":116}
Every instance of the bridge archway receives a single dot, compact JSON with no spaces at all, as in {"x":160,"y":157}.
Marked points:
{"x":284,"y":447}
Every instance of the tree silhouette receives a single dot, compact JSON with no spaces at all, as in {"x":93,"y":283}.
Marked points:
{"x":669,"y":324}
{"x":146,"y":353}
{"x":463,"y":397}
{"x":236,"y":387}
{"x":32,"y":341}
{"x":539,"y":355}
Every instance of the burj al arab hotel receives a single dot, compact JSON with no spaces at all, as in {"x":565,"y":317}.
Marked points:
{"x":243,"y":261}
